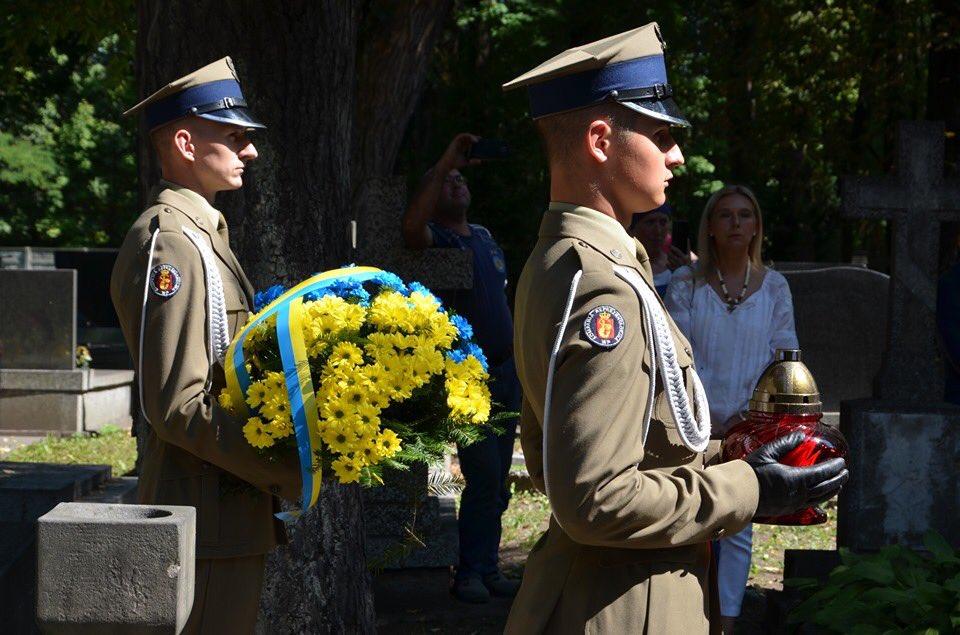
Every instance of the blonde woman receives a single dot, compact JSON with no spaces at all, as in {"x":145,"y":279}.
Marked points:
{"x":735,"y":312}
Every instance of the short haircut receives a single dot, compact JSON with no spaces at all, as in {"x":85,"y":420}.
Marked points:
{"x":160,"y":137}
{"x":561,"y":133}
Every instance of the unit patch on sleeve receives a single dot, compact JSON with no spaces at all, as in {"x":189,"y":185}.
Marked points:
{"x":165,"y":280}
{"x":604,"y":326}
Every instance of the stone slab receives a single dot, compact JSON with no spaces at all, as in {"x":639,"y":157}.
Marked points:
{"x":115,"y":568}
{"x":64,"y":401}
{"x":903,"y":466}
{"x":38,"y":314}
{"x":30,"y":490}
{"x":841,"y":320}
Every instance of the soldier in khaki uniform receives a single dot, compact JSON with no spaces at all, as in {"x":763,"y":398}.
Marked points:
{"x":181,"y":296}
{"x":615,"y":424}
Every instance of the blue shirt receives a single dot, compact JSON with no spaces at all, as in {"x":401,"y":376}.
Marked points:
{"x":485,"y":305}
{"x":948,"y":324}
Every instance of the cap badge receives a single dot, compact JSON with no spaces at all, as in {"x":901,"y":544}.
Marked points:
{"x":165,"y":280}
{"x":604,"y":326}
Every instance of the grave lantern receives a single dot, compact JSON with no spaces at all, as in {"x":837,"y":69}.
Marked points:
{"x":786,"y":400}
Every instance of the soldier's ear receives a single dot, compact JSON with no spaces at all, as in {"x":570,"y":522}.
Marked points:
{"x":597,"y":139}
{"x":183,"y":144}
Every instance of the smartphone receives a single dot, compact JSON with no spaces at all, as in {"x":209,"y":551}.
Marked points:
{"x":680,"y":235}
{"x":489,"y":149}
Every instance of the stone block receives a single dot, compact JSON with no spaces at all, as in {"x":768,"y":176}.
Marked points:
{"x":903,"y":463}
{"x":39,"y":318}
{"x":64,"y":401}
{"x":115,"y":568}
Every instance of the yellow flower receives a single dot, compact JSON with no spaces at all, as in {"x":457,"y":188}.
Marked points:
{"x":379,"y":400}
{"x":276,"y":407}
{"x":388,"y":443}
{"x":275,"y":382}
{"x":345,"y":353}
{"x":280,"y":428}
{"x":337,"y":412}
{"x":256,"y":433}
{"x":256,"y":394}
{"x":355,"y":396}
{"x":339,"y":439}
{"x":226,"y":401}
{"x":375,"y":376}
{"x":348,"y":469}
{"x":369,"y":415}
{"x":370,"y":453}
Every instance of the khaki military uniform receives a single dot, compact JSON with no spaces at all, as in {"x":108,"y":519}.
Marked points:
{"x":180,"y":294}
{"x":633,"y":509}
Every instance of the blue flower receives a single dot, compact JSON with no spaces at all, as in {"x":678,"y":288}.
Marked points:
{"x":416,"y":287}
{"x":391,"y":281}
{"x":472,"y":349}
{"x":348,"y":289}
{"x":263,"y":298}
{"x":463,"y":327}
{"x":456,"y":356}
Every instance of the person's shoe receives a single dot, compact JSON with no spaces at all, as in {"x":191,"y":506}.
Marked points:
{"x":500,"y":585}
{"x":470,"y":590}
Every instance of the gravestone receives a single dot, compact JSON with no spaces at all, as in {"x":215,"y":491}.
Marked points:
{"x":41,"y":389}
{"x":905,"y":442}
{"x":841,"y":320}
{"x":405,"y":525}
{"x":27,"y":492}
{"x":97,"y":326}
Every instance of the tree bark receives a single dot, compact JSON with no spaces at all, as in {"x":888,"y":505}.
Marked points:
{"x":335,"y":82}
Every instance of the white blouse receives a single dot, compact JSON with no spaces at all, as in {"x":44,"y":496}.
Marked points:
{"x":731,"y":349}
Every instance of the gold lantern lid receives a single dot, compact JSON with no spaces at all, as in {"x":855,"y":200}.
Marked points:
{"x":786,"y":387}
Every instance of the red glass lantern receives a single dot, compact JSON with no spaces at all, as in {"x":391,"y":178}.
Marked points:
{"x":786,"y":400}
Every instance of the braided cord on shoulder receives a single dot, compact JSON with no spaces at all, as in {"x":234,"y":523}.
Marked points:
{"x":693,"y":426}
{"x":216,"y":302}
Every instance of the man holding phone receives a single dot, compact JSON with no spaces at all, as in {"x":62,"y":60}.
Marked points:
{"x":437,"y":217}
{"x":668,"y":246}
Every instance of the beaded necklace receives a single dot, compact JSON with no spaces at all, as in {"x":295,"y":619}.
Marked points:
{"x":731,"y":303}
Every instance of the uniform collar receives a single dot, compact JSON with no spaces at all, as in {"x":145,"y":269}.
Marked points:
{"x":211,"y":215}
{"x":603,"y":233}
{"x":196,"y":208}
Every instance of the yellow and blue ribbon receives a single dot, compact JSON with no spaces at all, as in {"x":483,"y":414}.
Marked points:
{"x":296,"y":367}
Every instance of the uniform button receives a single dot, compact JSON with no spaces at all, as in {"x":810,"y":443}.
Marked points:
{"x":719,"y":532}
{"x":581,"y":243}
{"x":686,"y":350}
{"x":616,"y":253}
{"x":166,"y":210}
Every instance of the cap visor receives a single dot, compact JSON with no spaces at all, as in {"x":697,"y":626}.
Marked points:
{"x":662,"y":109}
{"x":236,"y":116}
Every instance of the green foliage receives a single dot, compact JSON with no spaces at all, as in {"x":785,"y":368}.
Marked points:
{"x":785,"y":96}
{"x":893,"y":591}
{"x":110,"y":446}
{"x":67,"y":160}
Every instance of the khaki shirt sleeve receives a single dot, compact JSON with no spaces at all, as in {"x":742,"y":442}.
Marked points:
{"x":594,"y":445}
{"x":531,"y":442}
{"x":175,"y":374}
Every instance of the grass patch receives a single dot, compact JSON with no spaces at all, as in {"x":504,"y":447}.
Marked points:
{"x":528,"y":515}
{"x":110,"y":446}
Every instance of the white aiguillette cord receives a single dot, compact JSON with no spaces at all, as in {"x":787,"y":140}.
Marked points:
{"x":693,"y":427}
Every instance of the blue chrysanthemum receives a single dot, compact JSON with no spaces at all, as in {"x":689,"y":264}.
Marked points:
{"x":472,"y":349}
{"x":263,"y":298}
{"x":391,"y":281}
{"x":456,"y":355}
{"x":463,"y":327}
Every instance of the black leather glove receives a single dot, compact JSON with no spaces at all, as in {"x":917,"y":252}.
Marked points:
{"x":785,"y":489}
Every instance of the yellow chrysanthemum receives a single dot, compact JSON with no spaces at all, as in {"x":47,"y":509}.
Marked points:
{"x":370,"y":453}
{"x":337,"y":411}
{"x":379,"y":400}
{"x":226,"y":401}
{"x":388,"y":443}
{"x":256,"y":394}
{"x":276,"y":407}
{"x":355,"y":396}
{"x":275,"y":382}
{"x":280,"y":428}
{"x":345,"y":353}
{"x":368,"y":415}
{"x":256,"y":433}
{"x":375,"y":376}
{"x":347,"y":469}
{"x":339,"y":440}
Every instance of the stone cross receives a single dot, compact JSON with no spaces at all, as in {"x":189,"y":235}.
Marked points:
{"x":380,"y":243}
{"x":917,"y":200}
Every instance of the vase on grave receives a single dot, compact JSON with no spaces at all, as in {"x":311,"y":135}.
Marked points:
{"x":786,"y":400}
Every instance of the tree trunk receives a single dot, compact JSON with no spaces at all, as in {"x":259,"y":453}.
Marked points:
{"x":335,"y":82}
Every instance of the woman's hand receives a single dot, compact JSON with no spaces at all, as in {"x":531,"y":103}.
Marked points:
{"x":677,"y":259}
